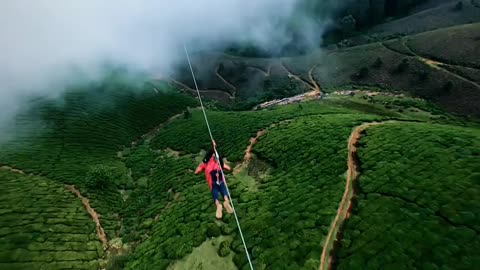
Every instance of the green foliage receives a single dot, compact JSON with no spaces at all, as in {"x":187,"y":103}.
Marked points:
{"x":378,"y":63}
{"x":280,"y":88}
{"x":100,"y":177}
{"x":224,"y":249}
{"x":363,"y":73}
{"x":117,"y":262}
{"x":403,"y":66}
{"x":232,"y":131}
{"x":278,"y":209}
{"x":213,"y":230}
{"x":416,"y":199}
{"x":423,"y":75}
{"x":87,"y":127}
{"x":447,"y":88}
{"x":43,"y":225}
{"x":458,"y":6}
{"x":187,"y":114}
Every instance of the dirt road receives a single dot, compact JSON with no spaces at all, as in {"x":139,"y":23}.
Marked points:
{"x":344,"y":208}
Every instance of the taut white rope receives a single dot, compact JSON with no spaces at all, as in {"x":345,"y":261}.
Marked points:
{"x":218,"y":158}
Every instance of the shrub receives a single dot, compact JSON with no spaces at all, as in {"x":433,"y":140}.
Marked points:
{"x":117,"y":262}
{"x":223,"y":249}
{"x":403,"y":66}
{"x":187,"y":114}
{"x":378,"y":63}
{"x":458,"y":6}
{"x":213,"y":231}
{"x":423,"y":75}
{"x":362,"y":73}
{"x":447,"y":88}
{"x":100,"y":177}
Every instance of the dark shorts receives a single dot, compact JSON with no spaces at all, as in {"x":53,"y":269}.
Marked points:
{"x":220,"y":186}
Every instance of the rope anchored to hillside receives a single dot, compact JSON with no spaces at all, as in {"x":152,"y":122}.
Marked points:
{"x":218,"y":157}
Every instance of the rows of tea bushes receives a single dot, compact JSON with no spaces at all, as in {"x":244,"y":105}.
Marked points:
{"x":284,"y":219}
{"x":44,"y":226}
{"x":63,"y":139}
{"x":418,"y":204}
{"x":232,"y":130}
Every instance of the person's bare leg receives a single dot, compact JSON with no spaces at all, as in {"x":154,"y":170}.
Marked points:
{"x":227,"y":205}
{"x":219,"y":212}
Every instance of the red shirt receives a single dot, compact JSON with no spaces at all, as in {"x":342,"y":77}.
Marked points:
{"x":210,"y":166}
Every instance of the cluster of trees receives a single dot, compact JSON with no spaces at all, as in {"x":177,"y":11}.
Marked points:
{"x":416,"y":203}
{"x":44,"y":225}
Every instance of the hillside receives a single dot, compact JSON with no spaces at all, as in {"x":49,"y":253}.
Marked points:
{"x":361,"y":156}
{"x":286,"y":196}
{"x":444,"y":71}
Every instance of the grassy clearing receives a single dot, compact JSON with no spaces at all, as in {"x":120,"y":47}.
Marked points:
{"x":416,"y":199}
{"x":44,"y":226}
{"x":206,"y":256}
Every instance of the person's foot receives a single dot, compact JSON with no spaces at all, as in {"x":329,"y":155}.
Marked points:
{"x":219,"y":211}
{"x":228,"y":207}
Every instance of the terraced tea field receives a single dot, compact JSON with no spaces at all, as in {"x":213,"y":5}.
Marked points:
{"x":44,"y":226}
{"x":417,"y":199}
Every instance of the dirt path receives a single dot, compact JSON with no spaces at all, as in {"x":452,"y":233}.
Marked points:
{"x":265,"y":73}
{"x":224,"y":80}
{"x":248,"y":152}
{"x":344,"y":208}
{"x":155,"y":130}
{"x":438,"y":66}
{"x":317,"y":87}
{"x":253,"y":141}
{"x":219,"y":92}
{"x":434,"y":64}
{"x":11,"y":169}
{"x":296,"y":77}
{"x":100,"y":232}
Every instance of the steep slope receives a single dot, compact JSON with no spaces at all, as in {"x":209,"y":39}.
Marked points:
{"x":392,"y":66}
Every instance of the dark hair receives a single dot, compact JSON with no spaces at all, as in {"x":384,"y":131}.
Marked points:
{"x":210,"y":153}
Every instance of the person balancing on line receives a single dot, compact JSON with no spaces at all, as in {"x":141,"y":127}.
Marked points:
{"x":215,"y":179}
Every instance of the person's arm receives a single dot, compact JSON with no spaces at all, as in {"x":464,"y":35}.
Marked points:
{"x":200,"y":168}
{"x":227,"y":167}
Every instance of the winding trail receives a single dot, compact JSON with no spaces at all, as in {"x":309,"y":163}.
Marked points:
{"x":11,"y":169}
{"x":253,"y":141}
{"x":344,"y":207}
{"x":265,"y":73}
{"x":224,"y":80}
{"x":317,"y":87}
{"x":100,"y":232}
{"x":155,"y":130}
{"x":439,"y":66}
{"x":296,"y":77}
{"x":434,"y":64}
{"x":248,"y":152}
{"x":217,"y":92}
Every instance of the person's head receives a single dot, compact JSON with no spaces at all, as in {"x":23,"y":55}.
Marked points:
{"x":210,"y":154}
